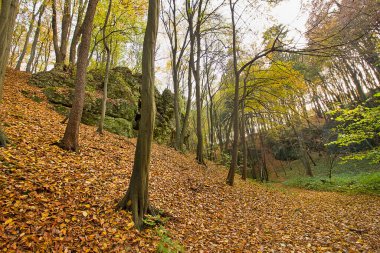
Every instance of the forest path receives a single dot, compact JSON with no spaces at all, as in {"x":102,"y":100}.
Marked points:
{"x":53,"y":200}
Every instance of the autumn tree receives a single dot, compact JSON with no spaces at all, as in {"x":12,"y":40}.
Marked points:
{"x":238,"y":68}
{"x":70,"y":138}
{"x":136,"y":198}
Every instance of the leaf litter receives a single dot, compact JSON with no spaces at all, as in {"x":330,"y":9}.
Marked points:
{"x":54,"y":200}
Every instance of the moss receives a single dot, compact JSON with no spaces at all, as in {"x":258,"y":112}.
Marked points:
{"x":119,"y":126}
{"x":122,"y":104}
{"x":32,"y":96}
{"x":62,"y":96}
{"x":54,"y":78}
{"x":3,"y":139}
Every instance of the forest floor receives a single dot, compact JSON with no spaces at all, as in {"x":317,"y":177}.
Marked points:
{"x":54,"y":200}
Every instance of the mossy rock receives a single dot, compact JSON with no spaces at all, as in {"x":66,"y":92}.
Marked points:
{"x":122,"y":104}
{"x":52,"y":78}
{"x":120,"y":108}
{"x":119,"y":126}
{"x":61,"y":96}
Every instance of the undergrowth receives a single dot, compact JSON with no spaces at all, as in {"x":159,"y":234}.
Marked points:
{"x":351,"y":177}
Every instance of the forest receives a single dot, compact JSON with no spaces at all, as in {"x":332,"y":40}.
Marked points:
{"x":189,"y":126}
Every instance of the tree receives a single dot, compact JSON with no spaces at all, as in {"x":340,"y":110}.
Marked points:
{"x":36,"y":38}
{"x":77,"y":32}
{"x":29,"y":32}
{"x":8,"y":15}
{"x":137,"y":197}
{"x":171,"y":24}
{"x":70,"y":138}
{"x":107,"y":73}
{"x":61,"y":48}
{"x":360,"y":125}
{"x":237,"y":72}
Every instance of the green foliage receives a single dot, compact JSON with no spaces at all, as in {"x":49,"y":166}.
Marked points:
{"x":166,"y":244}
{"x":368,"y":183}
{"x":360,"y":125}
{"x":352,"y":177}
{"x":154,"y":220}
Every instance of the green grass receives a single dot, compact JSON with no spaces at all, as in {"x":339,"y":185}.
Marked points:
{"x":357,"y":177}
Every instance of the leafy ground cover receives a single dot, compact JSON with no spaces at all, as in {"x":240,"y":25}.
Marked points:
{"x":54,"y":200}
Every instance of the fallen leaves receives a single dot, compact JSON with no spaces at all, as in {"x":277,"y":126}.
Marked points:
{"x":53,"y":200}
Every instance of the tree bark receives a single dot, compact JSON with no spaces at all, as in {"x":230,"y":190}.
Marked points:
{"x":36,"y":37}
{"x":108,"y":61}
{"x":77,"y":33}
{"x":8,"y":13}
{"x":235,"y":116}
{"x":66,"y":20}
{"x":29,"y":32}
{"x":60,"y":50}
{"x":70,"y":138}
{"x":137,"y":198}
{"x":243,"y":140}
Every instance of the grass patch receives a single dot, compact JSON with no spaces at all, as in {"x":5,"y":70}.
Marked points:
{"x":368,"y":183}
{"x":351,"y":177}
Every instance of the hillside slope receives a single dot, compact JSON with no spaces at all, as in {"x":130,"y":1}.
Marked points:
{"x":53,"y":200}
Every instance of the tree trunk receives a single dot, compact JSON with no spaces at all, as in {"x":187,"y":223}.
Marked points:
{"x":189,"y":94}
{"x":358,"y":86}
{"x":36,"y":38}
{"x":304,"y":155}
{"x":196,"y":71}
{"x":30,"y":29}
{"x":58,"y":59}
{"x":8,"y":13}
{"x":77,"y":33}
{"x":235,"y":116}
{"x":137,"y":198}
{"x":66,"y":20}
{"x":108,"y":61}
{"x":176,"y":102}
{"x":70,"y":138}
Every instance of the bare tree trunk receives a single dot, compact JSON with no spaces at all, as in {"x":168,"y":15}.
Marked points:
{"x":60,"y":50}
{"x":199,"y":105}
{"x":188,"y":104}
{"x":36,"y":37}
{"x":58,"y":59}
{"x":9,"y":9}
{"x":304,"y":155}
{"x":66,"y":20}
{"x":137,"y":197}
{"x":70,"y":138}
{"x":108,"y":61}
{"x":77,"y":33}
{"x":8,"y":13}
{"x":235,"y":116}
{"x":196,"y":37}
{"x":243,"y":140}
{"x":26,"y":43}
